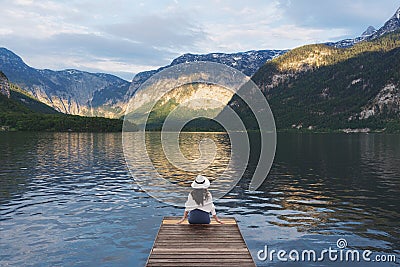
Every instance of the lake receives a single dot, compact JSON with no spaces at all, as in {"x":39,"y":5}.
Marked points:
{"x":67,"y":199}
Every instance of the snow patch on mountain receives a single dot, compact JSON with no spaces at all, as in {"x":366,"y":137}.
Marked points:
{"x":393,"y":24}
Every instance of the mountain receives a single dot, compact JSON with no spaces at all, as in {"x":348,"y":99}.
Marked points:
{"x":68,"y":91}
{"x":30,"y":101}
{"x":391,"y":25}
{"x":4,"y":85}
{"x":21,"y":111}
{"x":247,"y":62}
{"x":23,"y":100}
{"x":182,"y":103}
{"x":98,"y":94}
{"x":320,"y":87}
{"x":192,"y":97}
{"x":371,"y":33}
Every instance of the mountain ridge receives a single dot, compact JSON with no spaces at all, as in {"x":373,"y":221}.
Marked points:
{"x":392,"y":24}
{"x":68,"y":91}
{"x":20,"y":111}
{"x":84,"y":93}
{"x":253,"y":60}
{"x":321,"y":88}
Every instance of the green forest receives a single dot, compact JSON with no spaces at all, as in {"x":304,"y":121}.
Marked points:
{"x":325,"y":88}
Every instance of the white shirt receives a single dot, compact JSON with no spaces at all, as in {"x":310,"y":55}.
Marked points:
{"x":207,"y":206}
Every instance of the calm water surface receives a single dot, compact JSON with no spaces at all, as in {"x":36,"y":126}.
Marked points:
{"x":67,"y":199}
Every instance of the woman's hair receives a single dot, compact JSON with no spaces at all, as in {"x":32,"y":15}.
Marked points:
{"x":199,"y":195}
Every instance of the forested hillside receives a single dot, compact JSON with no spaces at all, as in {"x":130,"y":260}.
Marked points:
{"x":318,"y":87}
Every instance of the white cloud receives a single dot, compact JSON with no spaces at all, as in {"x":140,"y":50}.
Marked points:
{"x":129,"y":36}
{"x":35,"y":23}
{"x":175,"y":32}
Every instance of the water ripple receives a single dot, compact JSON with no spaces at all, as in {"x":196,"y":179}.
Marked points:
{"x":67,"y":199}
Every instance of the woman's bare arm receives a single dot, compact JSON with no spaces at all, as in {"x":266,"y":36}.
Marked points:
{"x":185,"y":214}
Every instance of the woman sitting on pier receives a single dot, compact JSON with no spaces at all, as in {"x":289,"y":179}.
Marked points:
{"x":199,"y":204}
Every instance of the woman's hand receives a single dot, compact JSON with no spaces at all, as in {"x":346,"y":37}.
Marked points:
{"x":181,"y":221}
{"x":185,"y":214}
{"x":217,"y":219}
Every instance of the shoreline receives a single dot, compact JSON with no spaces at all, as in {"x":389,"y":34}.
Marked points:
{"x":292,"y":131}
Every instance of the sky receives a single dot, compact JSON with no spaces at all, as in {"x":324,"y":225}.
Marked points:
{"x":124,"y":37}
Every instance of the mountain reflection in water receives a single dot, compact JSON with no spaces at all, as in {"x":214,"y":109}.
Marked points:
{"x":68,"y":198}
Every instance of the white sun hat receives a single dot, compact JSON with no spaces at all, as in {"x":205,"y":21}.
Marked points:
{"x":201,"y":182}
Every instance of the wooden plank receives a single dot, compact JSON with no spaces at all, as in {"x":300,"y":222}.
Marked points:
{"x":214,"y":247}
{"x":190,"y":262}
{"x":202,"y":256}
{"x":190,"y":231}
{"x":193,"y":243}
{"x":211,"y":245}
{"x":201,"y":241}
{"x":199,"y":245}
{"x":195,"y":230}
{"x":174,"y":220}
{"x":178,"y":218}
{"x":194,"y":236}
{"x":204,"y":250}
{"x":232,"y":254}
{"x":199,"y":264}
{"x":224,"y":228}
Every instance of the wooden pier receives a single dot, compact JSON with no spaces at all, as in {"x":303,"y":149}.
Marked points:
{"x":199,"y":244}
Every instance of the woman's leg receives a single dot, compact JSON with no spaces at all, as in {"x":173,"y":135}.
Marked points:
{"x":197,"y":216}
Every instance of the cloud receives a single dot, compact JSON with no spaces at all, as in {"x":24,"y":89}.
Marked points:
{"x":89,"y":52}
{"x":283,"y":24}
{"x":355,"y":15}
{"x":238,"y":39}
{"x":172,"y":32}
{"x":52,"y":35}
{"x":38,"y":19}
{"x":130,"y":36}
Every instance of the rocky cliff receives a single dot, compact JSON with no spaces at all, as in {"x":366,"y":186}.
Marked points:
{"x":68,"y":91}
{"x":4,"y":85}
